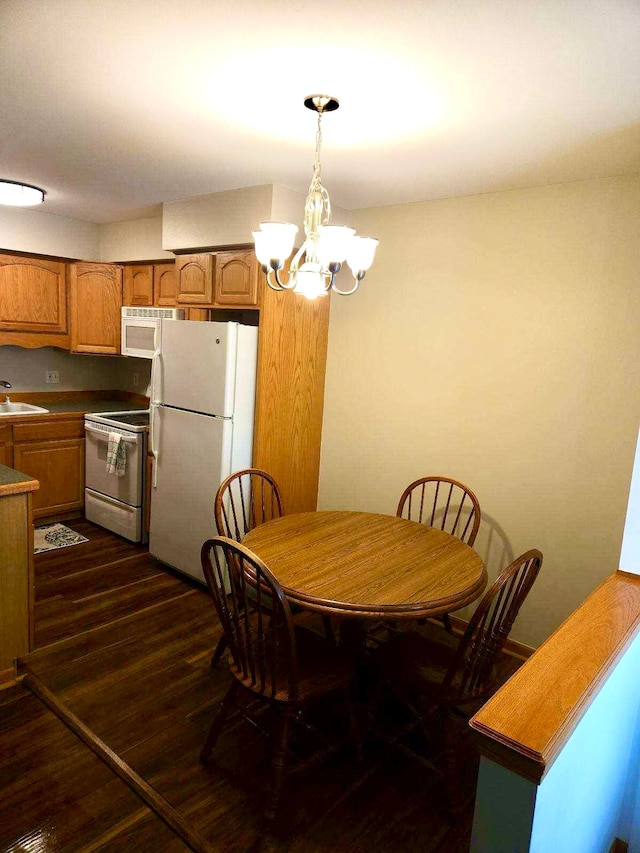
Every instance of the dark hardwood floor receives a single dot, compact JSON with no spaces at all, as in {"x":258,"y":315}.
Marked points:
{"x":125,"y":645}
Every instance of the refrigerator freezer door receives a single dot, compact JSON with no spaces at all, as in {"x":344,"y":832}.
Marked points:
{"x":194,"y":453}
{"x":196,"y":367}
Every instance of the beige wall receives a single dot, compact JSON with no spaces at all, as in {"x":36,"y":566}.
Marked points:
{"x":27,"y":230}
{"x":135,"y":240}
{"x":497,"y":340}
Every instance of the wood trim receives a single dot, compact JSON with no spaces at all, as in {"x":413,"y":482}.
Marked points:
{"x":7,"y":678}
{"x":526,"y":724}
{"x":152,"y":798}
{"x":35,"y":340}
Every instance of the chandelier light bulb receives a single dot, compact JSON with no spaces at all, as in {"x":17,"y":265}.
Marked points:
{"x":314,"y":267}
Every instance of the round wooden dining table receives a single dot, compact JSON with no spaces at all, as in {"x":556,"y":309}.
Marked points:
{"x":363,"y":565}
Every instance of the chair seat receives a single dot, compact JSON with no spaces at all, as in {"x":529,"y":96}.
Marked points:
{"x":321,"y":667}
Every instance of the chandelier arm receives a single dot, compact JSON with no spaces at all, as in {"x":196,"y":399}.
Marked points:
{"x":357,"y":278}
{"x":273,"y":274}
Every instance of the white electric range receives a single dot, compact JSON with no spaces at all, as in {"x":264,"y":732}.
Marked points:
{"x":112,"y":501}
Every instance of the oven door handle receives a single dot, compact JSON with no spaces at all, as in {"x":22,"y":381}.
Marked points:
{"x":103,"y":434}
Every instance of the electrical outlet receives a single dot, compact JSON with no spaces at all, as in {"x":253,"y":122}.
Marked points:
{"x":52,"y":377}
{"x":136,"y":379}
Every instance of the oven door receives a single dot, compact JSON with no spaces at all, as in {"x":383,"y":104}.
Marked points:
{"x":128,"y":488}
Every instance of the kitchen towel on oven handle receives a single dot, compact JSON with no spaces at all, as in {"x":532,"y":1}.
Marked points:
{"x":116,"y":455}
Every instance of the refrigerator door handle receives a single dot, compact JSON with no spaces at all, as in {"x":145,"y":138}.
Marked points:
{"x":156,"y":370}
{"x":153,"y":418}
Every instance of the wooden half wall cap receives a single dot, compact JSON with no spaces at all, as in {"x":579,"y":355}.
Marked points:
{"x":526,"y":724}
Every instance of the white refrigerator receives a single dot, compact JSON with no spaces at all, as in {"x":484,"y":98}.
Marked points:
{"x":203,"y":380}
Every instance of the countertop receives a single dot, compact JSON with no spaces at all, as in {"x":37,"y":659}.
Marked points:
{"x":14,"y":483}
{"x":93,"y":406}
{"x":63,"y":403}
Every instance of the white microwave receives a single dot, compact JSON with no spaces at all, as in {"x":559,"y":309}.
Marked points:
{"x":141,"y":329}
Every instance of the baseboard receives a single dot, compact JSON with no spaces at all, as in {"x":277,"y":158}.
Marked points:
{"x":7,"y":678}
{"x":511,"y":647}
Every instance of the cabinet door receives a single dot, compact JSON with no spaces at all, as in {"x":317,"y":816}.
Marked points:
{"x":59,"y":467}
{"x":138,"y":285}
{"x":195,"y":279}
{"x":96,"y":307}
{"x":33,"y":295}
{"x":236,"y":278}
{"x":165,"y":285}
{"x":6,"y":448}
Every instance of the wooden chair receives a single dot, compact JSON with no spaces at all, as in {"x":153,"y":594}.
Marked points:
{"x":244,"y":500}
{"x":433,"y":671}
{"x":271,"y":659}
{"x":444,"y":503}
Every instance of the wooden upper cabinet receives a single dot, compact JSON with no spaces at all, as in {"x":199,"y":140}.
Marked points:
{"x":194,"y":275}
{"x":138,"y":284}
{"x":96,"y":302}
{"x":165,"y":285}
{"x":236,"y":278}
{"x":33,"y":295}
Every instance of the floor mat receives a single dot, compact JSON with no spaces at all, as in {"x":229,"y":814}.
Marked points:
{"x":50,"y":536}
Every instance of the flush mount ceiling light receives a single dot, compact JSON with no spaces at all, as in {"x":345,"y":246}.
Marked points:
{"x":325,"y":247}
{"x":20,"y":195}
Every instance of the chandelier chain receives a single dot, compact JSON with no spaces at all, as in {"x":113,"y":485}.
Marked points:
{"x":316,"y":189}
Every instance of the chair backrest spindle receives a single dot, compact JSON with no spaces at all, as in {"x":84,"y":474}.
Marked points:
{"x":255,"y":616}
{"x":244,"y":500}
{"x":470,"y":673}
{"x":444,"y":503}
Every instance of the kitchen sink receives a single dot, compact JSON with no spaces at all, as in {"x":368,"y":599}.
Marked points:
{"x":14,"y":409}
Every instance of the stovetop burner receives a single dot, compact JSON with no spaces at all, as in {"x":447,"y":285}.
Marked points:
{"x":137,"y":420}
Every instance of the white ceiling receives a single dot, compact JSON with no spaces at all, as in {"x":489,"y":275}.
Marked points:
{"x":114,"y":107}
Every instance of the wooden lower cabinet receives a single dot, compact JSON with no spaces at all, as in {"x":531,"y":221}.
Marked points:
{"x":52,"y":452}
{"x":59,"y":466}
{"x":16,"y":582}
{"x":6,"y":448}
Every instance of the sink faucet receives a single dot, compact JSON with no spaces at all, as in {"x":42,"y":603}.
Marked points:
{"x":5,"y":384}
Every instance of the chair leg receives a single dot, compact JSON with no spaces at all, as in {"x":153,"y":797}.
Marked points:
{"x":450,"y":765}
{"x":216,"y":727}
{"x":220,"y":650}
{"x":279,"y":763}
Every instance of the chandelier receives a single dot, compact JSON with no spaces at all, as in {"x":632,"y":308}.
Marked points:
{"x":313,"y":270}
